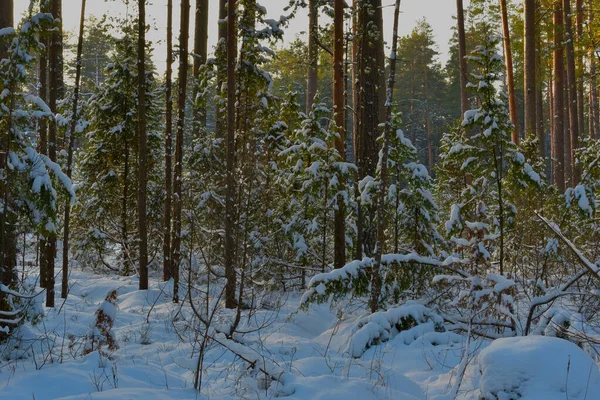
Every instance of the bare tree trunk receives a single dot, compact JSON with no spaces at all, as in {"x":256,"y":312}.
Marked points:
{"x":313,"y":53}
{"x":355,"y":132}
{"x":8,"y":240}
{"x":558,"y":147}
{"x":580,"y":68}
{"x":167,"y":255}
{"x":539,"y":99}
{"x":54,"y":80}
{"x":178,"y":178}
{"x":529,"y":61}
{"x":594,"y":114}
{"x":221,"y":54}
{"x":376,"y":277}
{"x":230,"y":273}
{"x":43,"y":131}
{"x":462,"y":53}
{"x":572,"y":89}
{"x":512,"y":97}
{"x":200,"y":55}
{"x":370,"y":42}
{"x":142,"y":149}
{"x":340,"y":142}
{"x":428,"y":124}
{"x":65,"y":251}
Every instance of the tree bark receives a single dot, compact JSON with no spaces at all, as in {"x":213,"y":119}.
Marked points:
{"x":512,"y":97}
{"x":594,"y":114}
{"x":313,"y":53}
{"x":230,"y":273}
{"x":8,"y":240}
{"x":580,"y":68}
{"x":200,"y":55}
{"x":462,"y":53}
{"x":572,"y":94}
{"x":178,"y":178}
{"x":370,"y":42}
{"x":340,"y":142}
{"x":529,"y":67}
{"x":65,"y":251}
{"x":558,"y":146}
{"x":539,"y":99}
{"x":376,"y":277}
{"x":142,"y":149}
{"x":54,"y":82}
{"x":167,"y":256}
{"x":43,"y":130}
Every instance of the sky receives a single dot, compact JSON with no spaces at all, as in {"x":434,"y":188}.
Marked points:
{"x":437,"y":12}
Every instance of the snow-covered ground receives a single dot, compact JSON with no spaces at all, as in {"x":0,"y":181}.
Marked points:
{"x":308,"y":351}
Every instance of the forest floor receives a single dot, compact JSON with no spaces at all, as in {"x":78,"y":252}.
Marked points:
{"x":158,"y":352}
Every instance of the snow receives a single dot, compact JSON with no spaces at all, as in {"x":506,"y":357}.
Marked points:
{"x":537,"y":368}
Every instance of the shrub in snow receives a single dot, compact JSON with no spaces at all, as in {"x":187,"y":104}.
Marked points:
{"x":385,"y":325}
{"x":537,"y":368}
{"x":100,"y":336}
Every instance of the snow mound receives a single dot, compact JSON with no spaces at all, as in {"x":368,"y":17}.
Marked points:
{"x":537,"y":368}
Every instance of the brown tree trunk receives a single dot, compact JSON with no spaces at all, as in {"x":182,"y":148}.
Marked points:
{"x":370,"y":41}
{"x":462,"y":53}
{"x":167,"y":260}
{"x":43,"y":130}
{"x":230,"y":273}
{"x":8,"y":240}
{"x":142,"y":149}
{"x":200,"y":55}
{"x":580,"y":68}
{"x":512,"y":97}
{"x":539,"y":99}
{"x":221,"y":54}
{"x":529,"y":67}
{"x":340,"y":142}
{"x":427,"y":124}
{"x":65,"y":251}
{"x":376,"y":277}
{"x":313,"y":53}
{"x":558,"y":146}
{"x":54,"y":81}
{"x":594,"y":114}
{"x":572,"y":89}
{"x":178,"y":178}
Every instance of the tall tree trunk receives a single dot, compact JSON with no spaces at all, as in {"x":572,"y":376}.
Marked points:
{"x":142,"y":149}
{"x":355,"y":132}
{"x":558,"y":146}
{"x":572,"y":89}
{"x":313,"y":53}
{"x":200,"y":55}
{"x":230,"y":273}
{"x":529,"y":67}
{"x":221,"y":56}
{"x":65,"y":250}
{"x":512,"y":97}
{"x":178,"y":178}
{"x":580,"y":67}
{"x":340,"y":142}
{"x":43,"y":130}
{"x":427,"y":124}
{"x":462,"y":53}
{"x":594,"y":114}
{"x":539,"y":99}
{"x":376,"y":277}
{"x":54,"y":81}
{"x":8,"y":239}
{"x":370,"y":41}
{"x":167,"y":260}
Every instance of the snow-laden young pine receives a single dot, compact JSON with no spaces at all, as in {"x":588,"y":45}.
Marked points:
{"x":30,"y":182}
{"x":106,"y":164}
